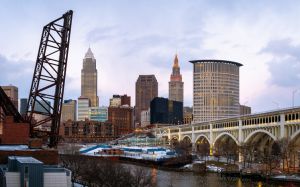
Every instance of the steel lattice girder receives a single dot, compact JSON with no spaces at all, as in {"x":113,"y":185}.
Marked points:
{"x":47,"y":88}
{"x":8,"y":107}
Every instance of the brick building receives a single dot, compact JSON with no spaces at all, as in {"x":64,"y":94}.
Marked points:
{"x":121,"y":119}
{"x":86,"y":131}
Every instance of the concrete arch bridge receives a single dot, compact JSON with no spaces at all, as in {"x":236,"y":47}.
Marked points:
{"x":261,"y":129}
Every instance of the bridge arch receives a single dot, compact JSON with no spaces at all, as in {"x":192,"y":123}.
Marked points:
{"x":174,"y":137}
{"x":204,"y":136}
{"x":223,"y":134}
{"x":187,"y":136}
{"x":259,"y":131}
{"x":295,"y":134}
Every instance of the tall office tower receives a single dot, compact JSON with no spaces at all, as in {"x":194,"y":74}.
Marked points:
{"x":176,"y":84}
{"x":216,"y":89}
{"x":12,"y":93}
{"x":23,"y":105}
{"x":83,"y":108}
{"x":89,"y":78}
{"x":146,"y":88}
{"x":145,"y":118}
{"x":68,"y":110}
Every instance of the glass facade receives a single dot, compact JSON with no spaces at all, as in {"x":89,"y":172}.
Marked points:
{"x":216,"y":90}
{"x":68,"y":110}
{"x":83,"y":109}
{"x":98,"y":114}
{"x":165,"y":111}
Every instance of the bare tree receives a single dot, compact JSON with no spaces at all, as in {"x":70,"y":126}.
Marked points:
{"x":74,"y":163}
{"x":247,"y":150}
{"x":203,"y":150}
{"x":184,"y":148}
{"x":104,"y":173}
{"x":140,"y":178}
{"x":228,"y":150}
{"x":287,"y":150}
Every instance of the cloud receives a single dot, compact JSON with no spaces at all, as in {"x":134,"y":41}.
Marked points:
{"x":285,"y":63}
{"x":18,"y":73}
{"x":102,"y":33}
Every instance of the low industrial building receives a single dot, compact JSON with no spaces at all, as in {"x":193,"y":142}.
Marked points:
{"x":28,"y":171}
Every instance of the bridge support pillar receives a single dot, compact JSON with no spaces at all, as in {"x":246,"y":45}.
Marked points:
{"x":179,"y":134}
{"x":211,"y":150}
{"x":193,"y":140}
{"x":241,"y":135}
{"x":241,"y":157}
{"x":281,"y":123}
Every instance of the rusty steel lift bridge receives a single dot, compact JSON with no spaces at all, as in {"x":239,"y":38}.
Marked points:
{"x":47,"y":87}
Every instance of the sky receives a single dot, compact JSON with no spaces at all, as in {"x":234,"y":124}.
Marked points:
{"x":134,"y":37}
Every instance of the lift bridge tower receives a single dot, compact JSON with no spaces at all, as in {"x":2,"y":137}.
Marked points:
{"x":48,"y":81}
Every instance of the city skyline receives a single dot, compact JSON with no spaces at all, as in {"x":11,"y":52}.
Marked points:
{"x":260,"y":35}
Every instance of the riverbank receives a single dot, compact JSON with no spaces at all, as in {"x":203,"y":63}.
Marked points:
{"x":168,"y":160}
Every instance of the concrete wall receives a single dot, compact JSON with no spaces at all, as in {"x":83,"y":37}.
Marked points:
{"x":56,"y":180}
{"x":12,"y":179}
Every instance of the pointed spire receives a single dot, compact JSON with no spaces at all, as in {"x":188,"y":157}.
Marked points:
{"x":89,"y":54}
{"x":176,"y":62}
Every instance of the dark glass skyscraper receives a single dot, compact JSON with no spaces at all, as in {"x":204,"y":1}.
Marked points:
{"x":165,"y":111}
{"x":89,"y":78}
{"x":23,"y":105}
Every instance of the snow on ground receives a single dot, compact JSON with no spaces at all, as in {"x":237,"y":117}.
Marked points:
{"x":146,"y":152}
{"x":13,"y":147}
{"x":77,"y":185}
{"x":288,"y":177}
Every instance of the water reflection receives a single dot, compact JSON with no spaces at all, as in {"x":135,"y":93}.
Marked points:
{"x":162,"y":178}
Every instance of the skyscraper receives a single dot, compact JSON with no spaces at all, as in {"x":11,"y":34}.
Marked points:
{"x":146,"y":88}
{"x":23,"y":105}
{"x":89,"y":78}
{"x":68,"y":110}
{"x":176,"y":84}
{"x":83,"y":108}
{"x":216,"y":89}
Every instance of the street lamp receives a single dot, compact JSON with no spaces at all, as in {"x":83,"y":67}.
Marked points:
{"x":293,"y":96}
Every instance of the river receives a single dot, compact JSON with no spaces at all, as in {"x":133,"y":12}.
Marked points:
{"x":163,"y":178}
